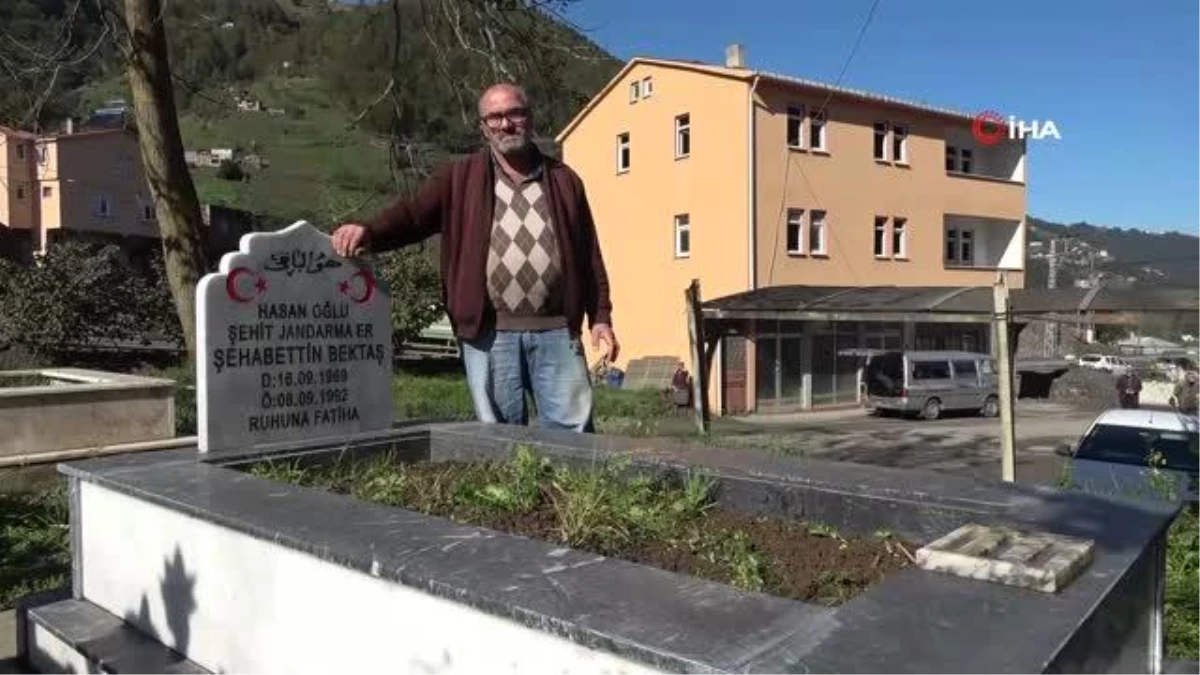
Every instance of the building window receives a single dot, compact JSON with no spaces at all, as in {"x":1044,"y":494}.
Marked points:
{"x":47,"y":191}
{"x":683,"y":236}
{"x":647,"y":88}
{"x":20,"y":189}
{"x":881,"y":140}
{"x":623,"y":154}
{"x":795,"y":118}
{"x":959,"y":159}
{"x":959,"y":246}
{"x":816,"y":130}
{"x":20,"y":151}
{"x":683,"y":136}
{"x":101,"y":206}
{"x":899,"y":238}
{"x":795,"y":227}
{"x":900,"y":144}
{"x":147,"y":211}
{"x":880,"y":236}
{"x":816,"y":232}
{"x":635,"y":91}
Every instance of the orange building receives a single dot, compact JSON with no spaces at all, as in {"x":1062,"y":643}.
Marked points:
{"x":747,"y":179}
{"x":83,"y":182}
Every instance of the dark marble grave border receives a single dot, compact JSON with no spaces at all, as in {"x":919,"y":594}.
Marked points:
{"x":915,"y":621}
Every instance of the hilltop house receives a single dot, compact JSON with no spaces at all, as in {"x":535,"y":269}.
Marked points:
{"x":749,"y":180}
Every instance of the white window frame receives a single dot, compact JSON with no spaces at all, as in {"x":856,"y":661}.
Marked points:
{"x":817,"y":126}
{"x":885,"y":133}
{"x":821,"y":230}
{"x":647,"y":87}
{"x":879,"y":238}
{"x":635,"y":91}
{"x":900,"y":135}
{"x":794,"y":218}
{"x":683,"y":128}
{"x":795,"y":112}
{"x":960,"y":237}
{"x":900,"y":244}
{"x":624,"y":146}
{"x":683,"y":225}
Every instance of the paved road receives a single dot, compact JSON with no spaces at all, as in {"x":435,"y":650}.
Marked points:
{"x":967,"y":444}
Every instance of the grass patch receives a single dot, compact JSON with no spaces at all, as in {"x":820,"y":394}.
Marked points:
{"x":34,"y":550}
{"x":666,"y":521}
{"x":1183,"y":588}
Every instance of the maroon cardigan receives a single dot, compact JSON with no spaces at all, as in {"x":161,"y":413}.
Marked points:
{"x":457,"y":202}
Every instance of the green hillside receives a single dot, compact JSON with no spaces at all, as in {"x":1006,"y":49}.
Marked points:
{"x":331,"y":154}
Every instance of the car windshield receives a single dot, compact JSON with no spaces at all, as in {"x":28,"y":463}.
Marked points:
{"x":1091,"y":359}
{"x":1133,"y":445}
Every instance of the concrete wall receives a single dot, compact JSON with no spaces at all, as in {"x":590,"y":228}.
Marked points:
{"x":84,"y":409}
{"x":235,"y":603}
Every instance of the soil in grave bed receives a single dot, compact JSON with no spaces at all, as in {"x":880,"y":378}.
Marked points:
{"x":671,"y":523}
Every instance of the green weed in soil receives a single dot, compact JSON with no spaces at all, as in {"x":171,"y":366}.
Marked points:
{"x":664,"y":521}
{"x":34,"y":551}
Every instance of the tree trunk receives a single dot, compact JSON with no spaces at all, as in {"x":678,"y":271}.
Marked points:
{"x":175,"y":202}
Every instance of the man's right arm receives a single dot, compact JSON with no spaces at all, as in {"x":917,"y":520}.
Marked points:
{"x":407,"y":220}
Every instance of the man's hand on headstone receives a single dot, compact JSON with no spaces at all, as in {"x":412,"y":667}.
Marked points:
{"x":351,"y":239}
{"x":603,"y":331}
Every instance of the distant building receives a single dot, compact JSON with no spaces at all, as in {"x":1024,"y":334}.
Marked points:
{"x":87,"y":183}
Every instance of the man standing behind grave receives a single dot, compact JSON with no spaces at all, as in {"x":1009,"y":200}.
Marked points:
{"x":521,"y":266}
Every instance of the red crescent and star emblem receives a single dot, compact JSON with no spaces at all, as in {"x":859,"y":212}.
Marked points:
{"x":359,"y":293}
{"x":240,"y":291}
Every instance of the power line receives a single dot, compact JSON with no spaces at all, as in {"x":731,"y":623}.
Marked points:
{"x":788,"y":164}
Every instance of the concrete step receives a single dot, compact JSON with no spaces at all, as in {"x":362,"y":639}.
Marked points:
{"x":75,"y":636}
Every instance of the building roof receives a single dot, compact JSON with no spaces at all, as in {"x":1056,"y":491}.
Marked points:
{"x":9,"y":131}
{"x":763,"y":75}
{"x":974,"y":301}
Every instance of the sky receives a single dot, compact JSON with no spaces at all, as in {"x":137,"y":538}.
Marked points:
{"x":1118,"y":79}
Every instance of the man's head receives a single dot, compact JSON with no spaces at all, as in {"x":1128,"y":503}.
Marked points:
{"x":505,"y":119}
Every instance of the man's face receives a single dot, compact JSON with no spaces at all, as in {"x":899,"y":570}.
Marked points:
{"x":505,"y":120}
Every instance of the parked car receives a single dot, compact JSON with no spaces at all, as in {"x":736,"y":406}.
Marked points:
{"x":1122,"y":450}
{"x":1105,"y":362}
{"x":930,"y":382}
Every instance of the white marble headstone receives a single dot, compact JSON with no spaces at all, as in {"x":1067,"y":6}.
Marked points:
{"x":294,"y":343}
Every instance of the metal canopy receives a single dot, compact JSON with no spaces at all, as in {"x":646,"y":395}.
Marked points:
{"x":965,"y":304}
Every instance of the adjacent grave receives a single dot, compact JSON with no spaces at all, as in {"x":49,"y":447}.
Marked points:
{"x":295,"y":343}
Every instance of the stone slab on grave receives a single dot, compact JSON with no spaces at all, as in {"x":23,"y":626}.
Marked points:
{"x":294,"y":343}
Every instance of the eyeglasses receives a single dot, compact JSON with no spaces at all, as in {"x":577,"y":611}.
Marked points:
{"x":514,"y":115}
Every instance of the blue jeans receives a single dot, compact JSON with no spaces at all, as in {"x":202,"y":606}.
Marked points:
{"x":502,"y":365}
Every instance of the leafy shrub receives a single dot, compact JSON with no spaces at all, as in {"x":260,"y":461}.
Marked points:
{"x":80,"y":294}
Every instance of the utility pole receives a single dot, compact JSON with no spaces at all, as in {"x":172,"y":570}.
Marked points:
{"x":1000,"y":317}
{"x":1050,"y":344}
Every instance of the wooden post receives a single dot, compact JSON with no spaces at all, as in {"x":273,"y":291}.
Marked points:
{"x":699,"y":367}
{"x":1000,"y":319}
